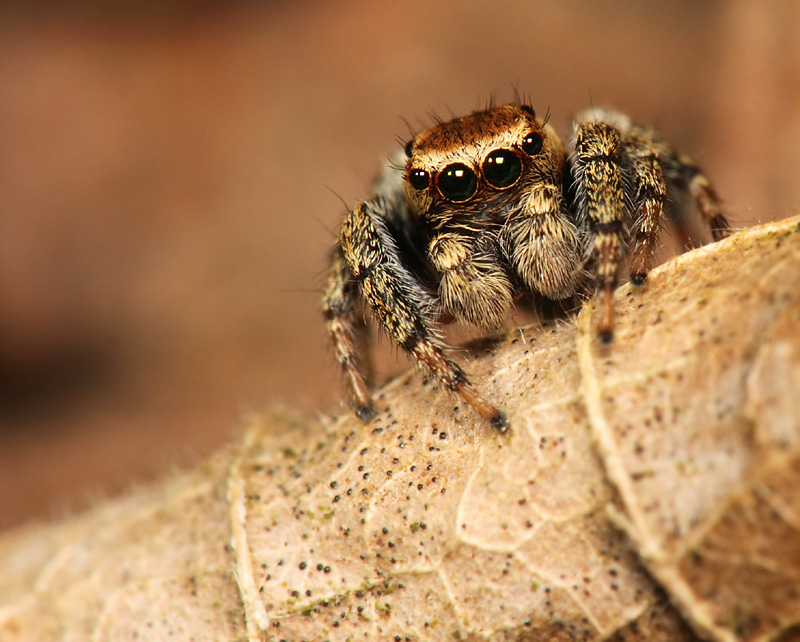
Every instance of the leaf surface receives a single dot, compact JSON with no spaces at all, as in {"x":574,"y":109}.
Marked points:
{"x":644,"y":491}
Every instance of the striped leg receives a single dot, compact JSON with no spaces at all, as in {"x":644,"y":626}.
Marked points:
{"x":649,"y":192}
{"x":339,"y":310}
{"x":600,"y":196}
{"x":402,"y":305}
{"x":705,"y":196}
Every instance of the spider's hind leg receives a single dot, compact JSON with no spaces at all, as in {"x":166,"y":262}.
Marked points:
{"x":339,"y":307}
{"x":692,"y":178}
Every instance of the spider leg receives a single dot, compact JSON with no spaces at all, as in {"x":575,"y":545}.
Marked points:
{"x":339,"y":310}
{"x":403,"y":306}
{"x":600,"y":197}
{"x":703,"y":193}
{"x":648,"y":193}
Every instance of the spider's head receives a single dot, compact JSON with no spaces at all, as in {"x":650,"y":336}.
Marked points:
{"x":468,"y":163}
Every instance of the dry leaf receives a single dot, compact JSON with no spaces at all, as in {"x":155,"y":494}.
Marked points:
{"x":646,"y":491}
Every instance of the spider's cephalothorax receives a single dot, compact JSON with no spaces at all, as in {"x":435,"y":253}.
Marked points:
{"x":492,"y":205}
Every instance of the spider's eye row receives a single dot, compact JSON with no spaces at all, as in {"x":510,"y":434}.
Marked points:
{"x":419,"y":179}
{"x":457,"y":182}
{"x":532,"y":143}
{"x":502,"y":168}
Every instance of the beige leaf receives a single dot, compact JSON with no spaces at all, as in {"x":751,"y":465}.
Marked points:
{"x":645,"y":491}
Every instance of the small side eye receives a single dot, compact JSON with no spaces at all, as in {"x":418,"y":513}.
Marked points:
{"x":502,"y":168}
{"x":419,"y":179}
{"x":457,"y":182}
{"x":528,"y":110}
{"x":532,"y":143}
{"x":408,"y":148}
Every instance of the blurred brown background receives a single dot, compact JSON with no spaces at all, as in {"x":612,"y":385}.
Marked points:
{"x":171,"y":174}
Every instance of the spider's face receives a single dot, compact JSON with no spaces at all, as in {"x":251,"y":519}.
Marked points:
{"x":487,"y":158}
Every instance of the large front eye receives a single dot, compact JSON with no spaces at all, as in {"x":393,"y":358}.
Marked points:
{"x":502,"y":168}
{"x":419,"y":179}
{"x":457,"y":182}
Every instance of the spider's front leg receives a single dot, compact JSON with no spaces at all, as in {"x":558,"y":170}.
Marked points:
{"x":403,"y":306}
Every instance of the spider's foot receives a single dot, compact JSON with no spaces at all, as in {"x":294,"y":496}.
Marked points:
{"x":366,"y":413}
{"x":639,"y":279}
{"x":490,"y":413}
{"x":605,"y":312}
{"x":500,"y":421}
{"x":606,"y":336}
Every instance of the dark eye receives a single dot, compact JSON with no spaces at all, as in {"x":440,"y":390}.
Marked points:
{"x":419,"y":178}
{"x":502,"y":168}
{"x":532,"y":143}
{"x":457,"y":182}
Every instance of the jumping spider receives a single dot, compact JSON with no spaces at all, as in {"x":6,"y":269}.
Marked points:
{"x":489,"y":206}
